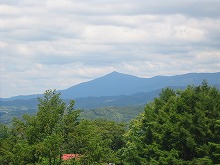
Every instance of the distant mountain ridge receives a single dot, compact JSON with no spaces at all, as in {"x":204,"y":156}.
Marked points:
{"x":94,"y":102}
{"x":115,"y":84}
{"x":119,"y":84}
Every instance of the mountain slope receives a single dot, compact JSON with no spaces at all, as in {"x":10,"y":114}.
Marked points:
{"x":94,"y":102}
{"x":118,"y":84}
{"x":112,"y":84}
{"x":115,"y":84}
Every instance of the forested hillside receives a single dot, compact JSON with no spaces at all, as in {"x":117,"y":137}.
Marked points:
{"x":178,"y":127}
{"x":117,"y":114}
{"x":114,"y":113}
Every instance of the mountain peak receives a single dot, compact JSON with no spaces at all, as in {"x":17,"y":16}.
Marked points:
{"x":118,"y":74}
{"x":115,"y":73}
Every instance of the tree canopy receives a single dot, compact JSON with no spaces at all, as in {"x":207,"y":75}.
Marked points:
{"x":57,"y":130}
{"x":179,"y":127}
{"x":39,"y":139}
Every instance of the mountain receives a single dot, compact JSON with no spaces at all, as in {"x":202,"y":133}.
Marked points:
{"x":21,"y":97}
{"x":112,"y":84}
{"x":115,"y":84}
{"x":118,"y":84}
{"x":93,"y":102}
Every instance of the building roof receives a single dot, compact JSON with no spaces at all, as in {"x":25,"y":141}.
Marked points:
{"x":70,"y":156}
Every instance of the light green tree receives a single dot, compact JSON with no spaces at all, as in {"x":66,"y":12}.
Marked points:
{"x":42,"y":138}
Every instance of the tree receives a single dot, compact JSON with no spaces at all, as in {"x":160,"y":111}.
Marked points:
{"x":179,"y":127}
{"x":97,"y":140}
{"x":41,"y":138}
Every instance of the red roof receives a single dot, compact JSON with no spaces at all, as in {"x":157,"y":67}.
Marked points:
{"x":70,"y":156}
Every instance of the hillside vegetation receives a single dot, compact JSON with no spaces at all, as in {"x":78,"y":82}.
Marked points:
{"x":117,"y":114}
{"x":114,"y":113}
{"x":179,"y":127}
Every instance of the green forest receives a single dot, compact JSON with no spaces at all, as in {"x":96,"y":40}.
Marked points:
{"x":180,"y":127}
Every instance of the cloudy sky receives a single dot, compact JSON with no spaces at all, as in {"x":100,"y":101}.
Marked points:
{"x":55,"y":44}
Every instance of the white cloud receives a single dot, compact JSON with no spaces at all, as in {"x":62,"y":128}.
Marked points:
{"x":56,"y":44}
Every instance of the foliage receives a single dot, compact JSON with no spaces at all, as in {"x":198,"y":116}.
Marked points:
{"x":40,"y":138}
{"x":98,"y":140}
{"x":179,"y":127}
{"x":55,"y":130}
{"x":113,"y":113}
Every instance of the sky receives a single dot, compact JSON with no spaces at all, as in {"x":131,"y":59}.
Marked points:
{"x":55,"y":44}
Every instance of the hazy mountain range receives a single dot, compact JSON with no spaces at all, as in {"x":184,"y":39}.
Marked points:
{"x":117,"y":89}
